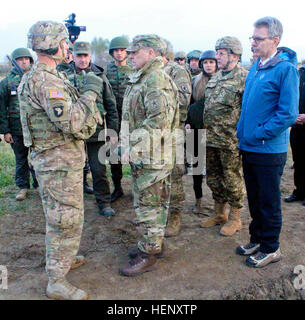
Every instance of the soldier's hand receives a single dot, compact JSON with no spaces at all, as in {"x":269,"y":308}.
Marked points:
{"x":93,"y":83}
{"x":8,"y":138}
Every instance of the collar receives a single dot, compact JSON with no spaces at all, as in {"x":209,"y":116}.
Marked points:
{"x":262,"y":63}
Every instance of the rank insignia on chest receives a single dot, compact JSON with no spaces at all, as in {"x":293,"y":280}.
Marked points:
{"x":53,"y":94}
{"x":58,"y":111}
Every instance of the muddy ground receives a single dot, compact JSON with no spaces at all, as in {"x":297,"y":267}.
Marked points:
{"x":199,"y":263}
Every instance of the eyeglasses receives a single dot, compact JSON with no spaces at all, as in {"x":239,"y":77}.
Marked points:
{"x":258,"y":39}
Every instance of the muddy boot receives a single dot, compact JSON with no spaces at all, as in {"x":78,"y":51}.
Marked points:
{"x":117,"y":193}
{"x":219,"y":218}
{"x":197,"y":207}
{"x":143,"y":262}
{"x":78,"y":261}
{"x":234,"y":224}
{"x":61,"y":289}
{"x":173,"y":224}
{"x":21,"y":195}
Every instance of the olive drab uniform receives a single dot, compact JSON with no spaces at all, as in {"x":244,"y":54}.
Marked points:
{"x":118,"y":78}
{"x":107,"y":106}
{"x":151,"y":103}
{"x":10,"y":123}
{"x":182,"y":80}
{"x":55,"y":121}
{"x":223,"y":99}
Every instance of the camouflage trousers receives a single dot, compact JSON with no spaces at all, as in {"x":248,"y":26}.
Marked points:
{"x":224,"y":176}
{"x":151,"y":208}
{"x":62,"y":199}
{"x":177,"y":193}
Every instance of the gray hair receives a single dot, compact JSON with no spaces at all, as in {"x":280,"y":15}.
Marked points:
{"x":275,"y":28}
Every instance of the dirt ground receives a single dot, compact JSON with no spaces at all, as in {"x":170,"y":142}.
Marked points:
{"x":199,"y":263}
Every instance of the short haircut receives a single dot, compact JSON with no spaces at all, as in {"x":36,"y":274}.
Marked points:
{"x":275,"y":28}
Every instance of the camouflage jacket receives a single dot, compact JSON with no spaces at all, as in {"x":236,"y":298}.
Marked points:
{"x":55,"y":119}
{"x":9,"y":104}
{"x":183,"y":81}
{"x":105,"y":101}
{"x":118,"y":77}
{"x":223,"y":99}
{"x":151,"y":103}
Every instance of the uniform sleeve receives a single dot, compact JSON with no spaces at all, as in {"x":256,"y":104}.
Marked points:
{"x":67,"y":116}
{"x":183,"y":83}
{"x":4,"y":100}
{"x":112,"y":117}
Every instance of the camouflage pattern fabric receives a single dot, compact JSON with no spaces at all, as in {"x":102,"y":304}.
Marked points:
{"x":118,"y":77}
{"x":55,"y":120}
{"x":146,"y":41}
{"x":105,"y":101}
{"x":9,"y":104}
{"x":223,"y":98}
{"x":151,"y":103}
{"x":224,"y":176}
{"x":151,"y":208}
{"x":183,"y":81}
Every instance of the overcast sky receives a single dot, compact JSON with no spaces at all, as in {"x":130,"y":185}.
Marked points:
{"x":188,"y":24}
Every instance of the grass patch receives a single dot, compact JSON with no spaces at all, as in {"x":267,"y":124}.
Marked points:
{"x":7,"y":166}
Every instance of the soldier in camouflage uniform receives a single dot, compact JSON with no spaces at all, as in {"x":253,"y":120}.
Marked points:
{"x":193,"y":62}
{"x":150,"y":108}
{"x":10,"y":124}
{"x":223,"y":98}
{"x":106,"y":103}
{"x":182,"y":80}
{"x":55,"y":121}
{"x":117,"y":74}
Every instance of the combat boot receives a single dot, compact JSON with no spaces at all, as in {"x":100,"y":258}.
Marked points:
{"x":197,"y":207}
{"x":143,"y":262}
{"x":234,"y":224}
{"x":61,"y":289}
{"x":21,"y":195}
{"x":117,"y":193}
{"x":219,"y":218}
{"x":78,"y":261}
{"x":106,"y":211}
{"x":173,"y":224}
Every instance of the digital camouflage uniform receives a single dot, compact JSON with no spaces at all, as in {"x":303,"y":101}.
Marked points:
{"x":107,"y":106}
{"x":151,"y":103}
{"x":223,"y":99}
{"x":118,"y":77}
{"x":182,"y":80}
{"x":55,"y":121}
{"x":10,"y":123}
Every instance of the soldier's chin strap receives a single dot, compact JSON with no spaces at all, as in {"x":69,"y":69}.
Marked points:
{"x":120,"y":61}
{"x":229,"y":60}
{"x":57,"y":59}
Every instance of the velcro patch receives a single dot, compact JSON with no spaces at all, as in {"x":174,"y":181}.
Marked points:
{"x":58,"y":111}
{"x":53,"y":94}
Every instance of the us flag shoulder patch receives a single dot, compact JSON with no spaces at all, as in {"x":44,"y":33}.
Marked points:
{"x":53,"y":94}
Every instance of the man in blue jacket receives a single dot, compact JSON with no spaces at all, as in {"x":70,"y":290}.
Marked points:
{"x":269,"y":108}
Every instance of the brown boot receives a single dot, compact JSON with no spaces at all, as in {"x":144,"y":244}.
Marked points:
{"x":61,"y":289}
{"x":197,"y":207}
{"x":21,"y":195}
{"x":143,"y":262}
{"x":132,"y":253}
{"x":173,"y":224}
{"x":218,"y":219}
{"x":78,"y":261}
{"x":234,"y":224}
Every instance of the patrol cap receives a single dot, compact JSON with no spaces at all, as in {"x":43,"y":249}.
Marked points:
{"x":146,"y":41}
{"x":81,"y":47}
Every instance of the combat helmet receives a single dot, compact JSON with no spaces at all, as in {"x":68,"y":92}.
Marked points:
{"x":195,"y":54}
{"x":45,"y":36}
{"x":180,"y":55}
{"x":229,"y":43}
{"x":22,"y":52}
{"x":209,"y":54}
{"x":168,"y":51}
{"x":118,"y":43}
